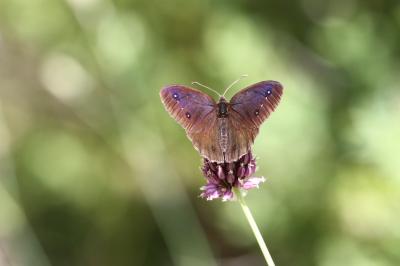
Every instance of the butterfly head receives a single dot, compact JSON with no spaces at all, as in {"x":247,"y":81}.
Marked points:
{"x":222,"y":108}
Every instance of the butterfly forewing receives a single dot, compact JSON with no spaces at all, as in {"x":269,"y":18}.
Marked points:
{"x":187,"y":106}
{"x":195,"y":111}
{"x":256,"y":102}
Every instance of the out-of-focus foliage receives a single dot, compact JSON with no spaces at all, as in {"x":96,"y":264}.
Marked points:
{"x":94,"y":172}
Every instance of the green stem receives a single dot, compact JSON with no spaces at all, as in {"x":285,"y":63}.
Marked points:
{"x":255,"y":229}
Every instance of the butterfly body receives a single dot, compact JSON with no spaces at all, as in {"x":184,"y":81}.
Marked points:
{"x":222,"y":108}
{"x":222,"y":131}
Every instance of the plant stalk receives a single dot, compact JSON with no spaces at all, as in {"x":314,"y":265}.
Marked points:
{"x":254,"y":228}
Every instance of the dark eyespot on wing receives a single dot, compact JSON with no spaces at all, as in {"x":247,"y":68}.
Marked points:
{"x":268,"y":89}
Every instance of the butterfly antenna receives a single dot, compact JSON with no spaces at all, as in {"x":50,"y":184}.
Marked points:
{"x":204,"y":86}
{"x":233,"y":83}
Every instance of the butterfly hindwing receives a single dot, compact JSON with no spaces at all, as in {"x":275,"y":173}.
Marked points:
{"x":207,"y":140}
{"x":240,"y":138}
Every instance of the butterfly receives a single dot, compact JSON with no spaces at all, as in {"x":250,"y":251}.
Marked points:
{"x":222,"y":131}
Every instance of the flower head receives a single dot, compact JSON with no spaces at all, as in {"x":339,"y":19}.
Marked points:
{"x":223,"y":177}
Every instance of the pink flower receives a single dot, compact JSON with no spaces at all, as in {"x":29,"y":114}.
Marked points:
{"x":223,"y":177}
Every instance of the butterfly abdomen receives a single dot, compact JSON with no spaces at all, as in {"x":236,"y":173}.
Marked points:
{"x":223,"y":138}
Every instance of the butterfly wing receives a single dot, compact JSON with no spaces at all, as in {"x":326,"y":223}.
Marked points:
{"x":195,"y":111}
{"x":248,"y":110}
{"x":240,"y":138}
{"x":206,"y":139}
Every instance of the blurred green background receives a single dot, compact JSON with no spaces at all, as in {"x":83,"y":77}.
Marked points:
{"x":93,"y":171}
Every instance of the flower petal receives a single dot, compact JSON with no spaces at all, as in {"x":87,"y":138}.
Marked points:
{"x":252,"y":182}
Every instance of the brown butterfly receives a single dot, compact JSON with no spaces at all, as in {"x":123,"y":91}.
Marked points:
{"x":223,"y":131}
